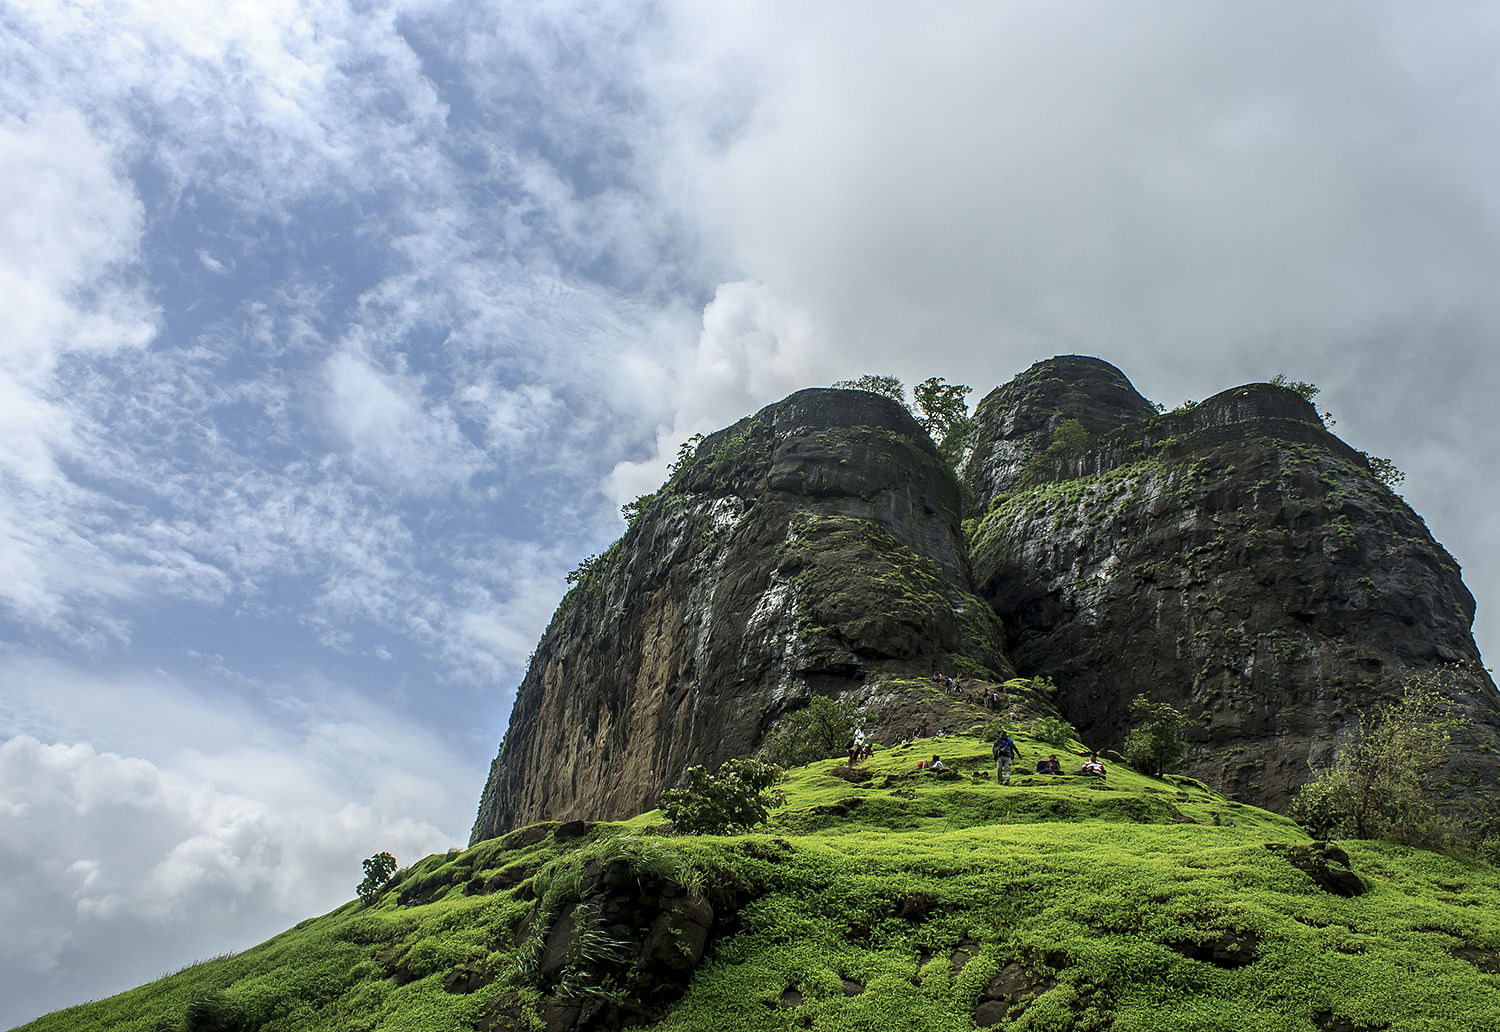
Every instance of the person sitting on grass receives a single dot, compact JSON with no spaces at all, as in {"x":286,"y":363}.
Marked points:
{"x":936,"y":764}
{"x":1049,"y":765}
{"x":1092,"y":767}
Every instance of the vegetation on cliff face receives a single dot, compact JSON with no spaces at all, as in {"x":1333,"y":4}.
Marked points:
{"x":884,"y":898}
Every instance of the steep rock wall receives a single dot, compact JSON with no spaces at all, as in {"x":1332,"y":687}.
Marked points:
{"x":1235,"y":560}
{"x":808,"y":549}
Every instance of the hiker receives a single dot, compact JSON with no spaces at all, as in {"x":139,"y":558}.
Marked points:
{"x":1004,"y":752}
{"x":868,"y":751}
{"x":936,"y":764}
{"x":1092,"y":767}
{"x":1049,"y":765}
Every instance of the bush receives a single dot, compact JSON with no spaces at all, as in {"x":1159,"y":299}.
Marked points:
{"x":820,"y":730}
{"x":727,"y":803}
{"x":1155,"y":743}
{"x":1378,"y":785}
{"x":378,"y":871}
{"x":1053,"y":731}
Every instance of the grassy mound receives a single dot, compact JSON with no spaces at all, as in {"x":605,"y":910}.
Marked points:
{"x":884,"y":898}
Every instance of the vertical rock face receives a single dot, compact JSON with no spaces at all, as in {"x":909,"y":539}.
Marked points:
{"x":1016,"y":422}
{"x":1234,"y":559}
{"x":805,"y":550}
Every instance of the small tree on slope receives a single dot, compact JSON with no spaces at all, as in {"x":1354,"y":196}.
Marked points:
{"x":1155,"y":743}
{"x":1379,"y":784}
{"x":819,"y":730}
{"x":731,"y":801}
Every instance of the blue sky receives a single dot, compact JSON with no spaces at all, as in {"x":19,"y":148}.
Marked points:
{"x":332,"y":335}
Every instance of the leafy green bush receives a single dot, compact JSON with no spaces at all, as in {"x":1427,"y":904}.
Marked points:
{"x":816,"y":732}
{"x":633,"y":510}
{"x":378,"y":871}
{"x":1384,"y":470}
{"x":1155,"y":743}
{"x":727,"y":803}
{"x":1377,"y":787}
{"x":1053,"y":731}
{"x":1308,"y":391}
{"x":886,"y":386}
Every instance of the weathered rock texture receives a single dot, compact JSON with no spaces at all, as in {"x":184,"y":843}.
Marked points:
{"x":809,"y":549}
{"x":1234,"y":559}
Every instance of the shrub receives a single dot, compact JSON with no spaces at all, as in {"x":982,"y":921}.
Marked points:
{"x":1053,"y":731}
{"x":378,"y":871}
{"x":820,"y":730}
{"x":1155,"y":743}
{"x":886,"y":386}
{"x":1384,"y":470}
{"x":732,"y":801}
{"x":1377,"y":787}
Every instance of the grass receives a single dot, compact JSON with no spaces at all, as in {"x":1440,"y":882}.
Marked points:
{"x":896,"y":901}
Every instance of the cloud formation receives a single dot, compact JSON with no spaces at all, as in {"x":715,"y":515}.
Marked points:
{"x":334,"y":336}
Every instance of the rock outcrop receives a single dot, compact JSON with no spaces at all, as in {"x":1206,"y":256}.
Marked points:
{"x":1232,"y":558}
{"x":810,"y":549}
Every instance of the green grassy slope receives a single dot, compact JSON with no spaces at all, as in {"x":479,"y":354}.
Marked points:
{"x":907,"y":901}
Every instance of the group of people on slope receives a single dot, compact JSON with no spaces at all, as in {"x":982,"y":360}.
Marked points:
{"x":1005,"y":752}
{"x":860,"y":747}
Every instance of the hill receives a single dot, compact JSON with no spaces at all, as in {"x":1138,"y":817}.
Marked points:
{"x":878,"y":898}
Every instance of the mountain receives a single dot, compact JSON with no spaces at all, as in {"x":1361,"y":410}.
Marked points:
{"x":883,"y":897}
{"x":813,"y":548}
{"x":1233,"y":558}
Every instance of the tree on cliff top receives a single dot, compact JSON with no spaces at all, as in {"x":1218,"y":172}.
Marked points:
{"x":940,"y":407}
{"x":886,"y":386}
{"x":944,"y":414}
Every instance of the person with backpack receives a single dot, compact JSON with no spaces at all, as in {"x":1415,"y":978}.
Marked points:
{"x":1005,"y":752}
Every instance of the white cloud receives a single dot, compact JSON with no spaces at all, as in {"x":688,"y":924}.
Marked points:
{"x":251,"y":824}
{"x":397,"y":436}
{"x":754,"y":348}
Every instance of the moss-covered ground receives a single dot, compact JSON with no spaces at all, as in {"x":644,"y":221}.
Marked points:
{"x":900,"y":901}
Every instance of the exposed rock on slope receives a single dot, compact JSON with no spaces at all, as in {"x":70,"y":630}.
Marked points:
{"x":808,"y":549}
{"x":1234,"y":559}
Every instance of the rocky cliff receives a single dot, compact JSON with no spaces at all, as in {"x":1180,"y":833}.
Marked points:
{"x":1233,"y":558}
{"x":812,"y":548}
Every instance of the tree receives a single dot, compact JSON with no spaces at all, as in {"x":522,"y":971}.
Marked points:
{"x":1069,"y":439}
{"x":1155,"y":743}
{"x":633,"y":510}
{"x":1378,"y":785}
{"x":378,"y":871}
{"x":1384,"y":470}
{"x":1309,"y":391}
{"x":942,"y":410}
{"x":885,"y":386}
{"x":816,"y":732}
{"x":686,"y":452}
{"x":727,"y":803}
